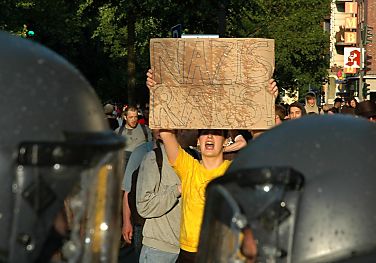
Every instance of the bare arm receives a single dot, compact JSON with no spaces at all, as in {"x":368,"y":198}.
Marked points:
{"x":171,"y":144}
{"x":168,"y":136}
{"x":239,"y":143}
{"x":127,"y":229}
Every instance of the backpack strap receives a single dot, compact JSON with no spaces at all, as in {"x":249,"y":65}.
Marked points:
{"x":121,"y":129}
{"x":145,"y":132}
{"x":159,"y":159}
{"x":136,"y":218}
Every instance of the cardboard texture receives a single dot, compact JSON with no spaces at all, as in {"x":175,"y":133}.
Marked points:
{"x":211,"y":83}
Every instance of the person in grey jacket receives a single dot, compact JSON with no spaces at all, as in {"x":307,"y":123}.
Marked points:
{"x":158,"y":200}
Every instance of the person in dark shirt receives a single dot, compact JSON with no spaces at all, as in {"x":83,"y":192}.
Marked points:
{"x":112,"y":121}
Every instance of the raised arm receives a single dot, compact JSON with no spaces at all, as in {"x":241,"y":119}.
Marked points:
{"x":171,"y":144}
{"x":168,"y":136}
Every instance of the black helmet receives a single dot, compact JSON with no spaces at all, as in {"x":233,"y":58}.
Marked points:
{"x":306,"y":189}
{"x":60,"y":164}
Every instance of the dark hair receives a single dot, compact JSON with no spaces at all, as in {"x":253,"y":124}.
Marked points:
{"x":130,"y":108}
{"x":213,"y":131}
{"x":280,"y":110}
{"x":366,"y":109}
{"x":338,"y":100}
{"x":353,"y":99}
{"x":298,"y":105}
{"x":186,"y":137}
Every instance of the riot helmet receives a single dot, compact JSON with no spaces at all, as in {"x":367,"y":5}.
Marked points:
{"x":60,"y":164}
{"x":306,"y":191}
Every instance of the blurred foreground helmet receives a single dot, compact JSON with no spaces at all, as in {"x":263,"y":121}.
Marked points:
{"x":305,"y":189}
{"x":60,"y":165}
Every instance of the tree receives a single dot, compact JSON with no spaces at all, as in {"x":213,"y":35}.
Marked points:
{"x":301,"y":44}
{"x":109,"y":40}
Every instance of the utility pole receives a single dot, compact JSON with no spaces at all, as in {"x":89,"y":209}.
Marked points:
{"x":361,"y":72}
{"x":361,"y":19}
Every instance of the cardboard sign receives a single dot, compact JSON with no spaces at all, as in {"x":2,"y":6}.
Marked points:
{"x":211,"y":83}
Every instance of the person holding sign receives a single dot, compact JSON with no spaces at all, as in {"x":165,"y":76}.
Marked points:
{"x":195,"y":175}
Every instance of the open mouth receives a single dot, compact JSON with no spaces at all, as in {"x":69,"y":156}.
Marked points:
{"x":209,"y":145}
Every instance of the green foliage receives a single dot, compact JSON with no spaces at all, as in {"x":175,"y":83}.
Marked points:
{"x":301,"y":44}
{"x":96,"y":35}
{"x":110,"y":33}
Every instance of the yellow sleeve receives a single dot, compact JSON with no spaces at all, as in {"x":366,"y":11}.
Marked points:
{"x":184,"y":164}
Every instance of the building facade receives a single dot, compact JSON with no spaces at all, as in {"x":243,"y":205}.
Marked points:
{"x":352,"y":54}
{"x":370,"y":73}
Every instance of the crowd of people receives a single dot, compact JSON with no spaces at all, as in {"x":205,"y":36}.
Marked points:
{"x":171,"y":198}
{"x":351,"y":106}
{"x":115,"y":113}
{"x":60,"y":175}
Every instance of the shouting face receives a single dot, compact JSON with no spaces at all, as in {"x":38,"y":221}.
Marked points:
{"x":211,"y":142}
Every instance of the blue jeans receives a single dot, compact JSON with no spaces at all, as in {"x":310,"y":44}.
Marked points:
{"x":137,"y":237}
{"x":131,"y":253}
{"x":153,"y":255}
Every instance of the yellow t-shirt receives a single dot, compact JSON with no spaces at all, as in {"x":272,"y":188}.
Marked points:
{"x":194,"y":179}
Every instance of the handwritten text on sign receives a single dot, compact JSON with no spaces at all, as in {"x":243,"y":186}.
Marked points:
{"x":212,"y":83}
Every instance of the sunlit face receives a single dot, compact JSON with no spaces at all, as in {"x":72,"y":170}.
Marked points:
{"x":353,"y":103}
{"x":295,"y":113}
{"x":132,"y":119}
{"x":277,"y":120}
{"x":211,"y":143}
{"x":311,"y":101}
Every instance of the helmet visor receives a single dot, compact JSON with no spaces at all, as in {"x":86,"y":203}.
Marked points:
{"x":221,"y":231}
{"x":261,"y":200}
{"x":71,"y":199}
{"x":93,"y":213}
